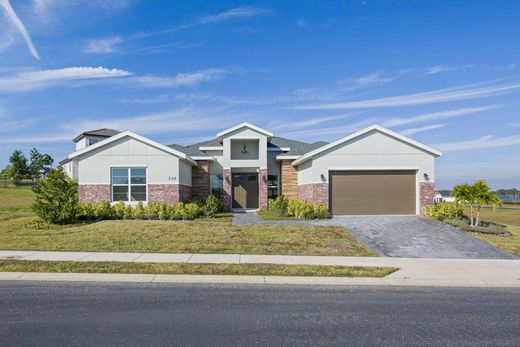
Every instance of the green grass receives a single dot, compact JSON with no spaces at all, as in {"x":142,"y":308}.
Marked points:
{"x":499,"y":215}
{"x":270,"y":215}
{"x":193,"y":269}
{"x":19,"y":230}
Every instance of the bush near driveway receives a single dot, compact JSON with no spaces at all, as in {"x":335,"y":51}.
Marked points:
{"x":291,"y":207}
{"x":444,"y":210}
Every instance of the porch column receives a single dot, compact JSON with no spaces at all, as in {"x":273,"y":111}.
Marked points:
{"x":228,"y":202}
{"x":262,"y":189}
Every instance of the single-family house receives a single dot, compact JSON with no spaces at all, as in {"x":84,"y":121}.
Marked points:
{"x":372,"y":171}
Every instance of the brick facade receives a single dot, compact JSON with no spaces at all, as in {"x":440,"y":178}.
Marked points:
{"x":169,"y":193}
{"x":262,"y":189}
{"x":426,"y":194}
{"x":314,"y":192}
{"x":288,"y":179}
{"x":228,"y":201}
{"x":94,"y":193}
{"x":200,"y":179}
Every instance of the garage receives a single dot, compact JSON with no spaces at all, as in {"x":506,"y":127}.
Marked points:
{"x":372,"y":192}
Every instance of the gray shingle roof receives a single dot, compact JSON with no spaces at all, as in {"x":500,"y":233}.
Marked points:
{"x":301,"y":150}
{"x":98,"y":132}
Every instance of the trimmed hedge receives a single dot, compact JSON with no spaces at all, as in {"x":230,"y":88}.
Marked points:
{"x":444,"y":210}
{"x":152,"y":211}
{"x":291,"y":207}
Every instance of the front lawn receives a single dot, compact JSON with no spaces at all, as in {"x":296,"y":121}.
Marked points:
{"x":193,"y":269}
{"x":19,"y":230}
{"x":508,"y":216}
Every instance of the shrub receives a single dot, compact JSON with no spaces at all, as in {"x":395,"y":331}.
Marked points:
{"x":87,"y":211}
{"x":104,"y":210}
{"x":152,"y":210}
{"x":164,"y":211}
{"x":211,"y":206}
{"x":128,"y":212}
{"x":444,"y":210}
{"x":321,"y":211}
{"x":139,"y":211}
{"x":56,"y":198}
{"x":279,"y":205}
{"x":192,"y":211}
{"x":119,"y":210}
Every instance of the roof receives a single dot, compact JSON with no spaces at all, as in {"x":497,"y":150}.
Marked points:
{"x":246,"y":125}
{"x":359,"y":133}
{"x":105,"y":132}
{"x":137,"y":137}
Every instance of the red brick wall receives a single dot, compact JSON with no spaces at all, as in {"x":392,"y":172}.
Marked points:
{"x":228,"y":202}
{"x":314,"y":192}
{"x":170,"y":193}
{"x":262,"y":189}
{"x":94,"y":193}
{"x":426,"y":194}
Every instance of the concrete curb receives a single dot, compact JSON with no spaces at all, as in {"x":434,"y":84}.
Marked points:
{"x":260,"y":280}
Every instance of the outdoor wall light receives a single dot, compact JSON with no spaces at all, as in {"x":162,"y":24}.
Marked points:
{"x":323,"y":179}
{"x":426,"y":177}
{"x":264,"y":179}
{"x":244,"y":150}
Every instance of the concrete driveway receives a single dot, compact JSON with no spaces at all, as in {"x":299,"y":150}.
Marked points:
{"x":416,"y":237}
{"x":400,"y":236}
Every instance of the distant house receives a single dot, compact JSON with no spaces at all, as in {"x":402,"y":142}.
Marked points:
{"x":372,"y":171}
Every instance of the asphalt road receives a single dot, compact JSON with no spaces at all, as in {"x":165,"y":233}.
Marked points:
{"x":35,"y":313}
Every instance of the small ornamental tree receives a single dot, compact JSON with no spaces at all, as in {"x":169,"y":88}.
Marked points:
{"x":56,"y":198}
{"x":475,"y":195}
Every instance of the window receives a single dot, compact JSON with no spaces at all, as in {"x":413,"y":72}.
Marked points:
{"x":272,"y":186}
{"x":92,"y":141}
{"x":217,"y":185}
{"x":128,"y":184}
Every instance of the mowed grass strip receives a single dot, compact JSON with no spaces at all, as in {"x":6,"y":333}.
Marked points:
{"x":20,"y":230}
{"x":507,"y":216}
{"x":509,"y":244}
{"x":193,"y":269}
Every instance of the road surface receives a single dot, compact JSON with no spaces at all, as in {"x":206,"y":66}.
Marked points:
{"x":53,"y":313}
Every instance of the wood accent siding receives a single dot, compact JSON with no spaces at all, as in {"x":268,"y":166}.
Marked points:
{"x":289,"y":179}
{"x":200,"y":179}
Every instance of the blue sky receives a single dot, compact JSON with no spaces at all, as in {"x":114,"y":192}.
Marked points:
{"x":446,"y":73}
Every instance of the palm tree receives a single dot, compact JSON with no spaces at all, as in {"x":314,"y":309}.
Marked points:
{"x":475,"y":195}
{"x":465,"y":195}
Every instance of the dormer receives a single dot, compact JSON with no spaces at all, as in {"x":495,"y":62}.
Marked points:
{"x":245,"y":145}
{"x":89,"y":138}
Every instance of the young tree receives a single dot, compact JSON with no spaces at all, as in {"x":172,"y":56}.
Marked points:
{"x":36,"y":165}
{"x":475,"y":195}
{"x":56,"y":198}
{"x":19,"y":166}
{"x":47,"y":160}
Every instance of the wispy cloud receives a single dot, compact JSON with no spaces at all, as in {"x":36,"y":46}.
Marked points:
{"x":327,"y":133}
{"x":433,"y":70}
{"x":412,"y":131}
{"x":235,"y":13}
{"x":30,"y":80}
{"x":432,"y":97}
{"x":184,"y":79}
{"x":11,"y":15}
{"x":301,"y":23}
{"x":103,"y":46}
{"x":306,"y":123}
{"x":488,"y":141}
{"x":37,"y":139}
{"x":392,"y":122}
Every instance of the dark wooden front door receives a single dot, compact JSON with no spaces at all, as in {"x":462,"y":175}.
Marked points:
{"x":245,"y":190}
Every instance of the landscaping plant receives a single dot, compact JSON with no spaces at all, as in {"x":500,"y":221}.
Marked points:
{"x":444,"y":210}
{"x":56,"y":198}
{"x":291,"y":207}
{"x":475,"y":195}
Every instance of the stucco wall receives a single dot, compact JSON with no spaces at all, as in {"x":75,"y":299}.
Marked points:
{"x":162,"y":167}
{"x":371,"y":151}
{"x":245,"y":133}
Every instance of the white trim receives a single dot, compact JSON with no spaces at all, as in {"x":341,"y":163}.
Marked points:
{"x":287,"y":157}
{"x":247,"y":125}
{"x":203,"y":158}
{"x":130,"y":166}
{"x":278,"y":149}
{"x":376,"y":127}
{"x":129,"y":184}
{"x":372,"y":168}
{"x":211,"y":148}
{"x":137,"y":137}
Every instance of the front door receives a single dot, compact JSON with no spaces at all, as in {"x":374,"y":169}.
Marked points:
{"x":245,"y":190}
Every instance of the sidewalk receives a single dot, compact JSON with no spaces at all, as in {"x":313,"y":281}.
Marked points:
{"x":413,"y":271}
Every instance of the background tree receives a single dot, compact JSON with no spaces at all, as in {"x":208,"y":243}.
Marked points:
{"x":47,"y":160}
{"x":56,"y":198}
{"x":36,"y":165}
{"x":18,"y":165}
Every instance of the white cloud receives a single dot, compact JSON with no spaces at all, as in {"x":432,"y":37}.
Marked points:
{"x":183,"y":79}
{"x":38,"y":140}
{"x":411,"y":131}
{"x":106,"y":45}
{"x":301,"y":23}
{"x":514,"y":125}
{"x":487,"y":141}
{"x":433,"y":70}
{"x":235,"y":13}
{"x":436,"y":96}
{"x":327,"y":133}
{"x":11,"y":15}
{"x":30,"y":80}
{"x":392,"y":122}
{"x":306,"y":123}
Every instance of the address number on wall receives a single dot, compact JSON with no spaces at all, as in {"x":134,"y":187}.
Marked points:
{"x":172,"y":178}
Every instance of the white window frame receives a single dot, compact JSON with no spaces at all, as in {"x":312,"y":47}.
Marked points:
{"x":129,"y":184}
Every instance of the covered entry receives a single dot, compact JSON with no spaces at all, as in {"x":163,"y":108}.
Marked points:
{"x":245,"y":190}
{"x":372,"y":192}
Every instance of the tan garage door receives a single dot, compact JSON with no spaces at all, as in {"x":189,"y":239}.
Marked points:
{"x":372,"y":192}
